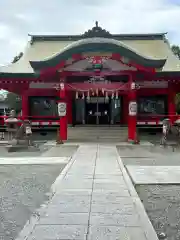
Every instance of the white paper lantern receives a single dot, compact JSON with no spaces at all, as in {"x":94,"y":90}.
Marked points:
{"x":112,"y":96}
{"x":117,"y":95}
{"x":88,"y":97}
{"x":77,"y":95}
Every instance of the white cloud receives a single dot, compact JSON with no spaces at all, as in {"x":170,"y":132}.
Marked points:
{"x":4,"y":31}
{"x":18,"y":18}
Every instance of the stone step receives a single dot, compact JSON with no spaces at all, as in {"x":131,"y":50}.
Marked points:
{"x":101,"y":133}
{"x":97,"y":136}
{"x":98,"y":133}
{"x":97,"y":129}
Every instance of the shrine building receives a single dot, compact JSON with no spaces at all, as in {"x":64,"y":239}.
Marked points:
{"x":103,"y":79}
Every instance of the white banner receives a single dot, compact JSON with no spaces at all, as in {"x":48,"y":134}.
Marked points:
{"x":133,"y":108}
{"x":62,"y":109}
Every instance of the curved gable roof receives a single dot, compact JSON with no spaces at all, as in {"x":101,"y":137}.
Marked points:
{"x":97,"y":45}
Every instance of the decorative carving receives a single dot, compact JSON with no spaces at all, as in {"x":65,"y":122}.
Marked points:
{"x":97,"y":32}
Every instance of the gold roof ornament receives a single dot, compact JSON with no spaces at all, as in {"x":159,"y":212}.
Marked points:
{"x":97,"y":31}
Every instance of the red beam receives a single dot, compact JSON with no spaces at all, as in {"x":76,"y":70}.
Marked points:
{"x":92,"y":73}
{"x":94,"y":86}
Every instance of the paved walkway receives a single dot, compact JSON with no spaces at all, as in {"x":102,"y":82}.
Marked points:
{"x":154,"y":174}
{"x":94,"y":200}
{"x":33,"y":160}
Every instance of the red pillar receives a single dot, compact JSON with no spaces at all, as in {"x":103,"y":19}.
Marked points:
{"x":125,"y":107}
{"x":132,"y":117}
{"x":171,"y":102}
{"x":69,"y":106}
{"x":25,"y":105}
{"x":63,"y":120}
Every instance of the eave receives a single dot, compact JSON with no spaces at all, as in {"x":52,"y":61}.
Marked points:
{"x":101,"y":45}
{"x":46,"y":37}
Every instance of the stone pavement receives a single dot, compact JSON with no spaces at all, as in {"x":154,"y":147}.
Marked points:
{"x":33,"y":160}
{"x":154,"y":174}
{"x":95,"y":199}
{"x":118,"y":144}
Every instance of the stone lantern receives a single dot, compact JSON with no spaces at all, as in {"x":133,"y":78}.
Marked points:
{"x":13,"y":125}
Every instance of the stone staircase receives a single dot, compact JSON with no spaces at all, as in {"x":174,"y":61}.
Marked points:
{"x":99,"y":133}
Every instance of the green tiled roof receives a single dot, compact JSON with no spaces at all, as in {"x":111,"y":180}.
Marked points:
{"x":46,"y":50}
{"x":95,"y":45}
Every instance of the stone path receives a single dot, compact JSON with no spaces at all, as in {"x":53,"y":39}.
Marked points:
{"x":94,"y":200}
{"x":61,"y":150}
{"x":34,"y":160}
{"x":154,"y":174}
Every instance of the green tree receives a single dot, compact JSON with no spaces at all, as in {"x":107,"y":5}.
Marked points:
{"x":176,"y":50}
{"x":14,"y":101}
{"x":16,"y":58}
{"x":177,"y":101}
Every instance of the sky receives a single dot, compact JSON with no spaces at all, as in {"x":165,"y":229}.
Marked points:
{"x":20,"y":17}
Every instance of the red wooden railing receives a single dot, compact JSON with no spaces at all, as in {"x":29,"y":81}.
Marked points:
{"x":155,"y":119}
{"x":36,"y":121}
{"x":40,"y":121}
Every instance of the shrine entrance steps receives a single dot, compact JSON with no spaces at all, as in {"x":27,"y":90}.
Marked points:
{"x":98,"y":133}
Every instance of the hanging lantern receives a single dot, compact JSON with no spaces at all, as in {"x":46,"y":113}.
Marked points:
{"x":97,"y":92}
{"x":116,"y":94}
{"x":88,"y":97}
{"x":112,"y":96}
{"x":106,"y":95}
{"x":77,"y":95}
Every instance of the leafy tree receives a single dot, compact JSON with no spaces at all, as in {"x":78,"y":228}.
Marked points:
{"x":177,"y":101}
{"x":14,"y":101}
{"x":16,"y":58}
{"x":176,"y":50}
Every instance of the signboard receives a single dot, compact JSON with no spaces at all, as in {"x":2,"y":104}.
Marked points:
{"x":153,"y":84}
{"x":97,"y":79}
{"x":132,"y":108}
{"x":62,"y":109}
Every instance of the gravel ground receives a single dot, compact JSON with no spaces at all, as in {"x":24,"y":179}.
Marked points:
{"x":23,"y":189}
{"x":43,"y":136}
{"x":162,"y":204}
{"x":42,"y":149}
